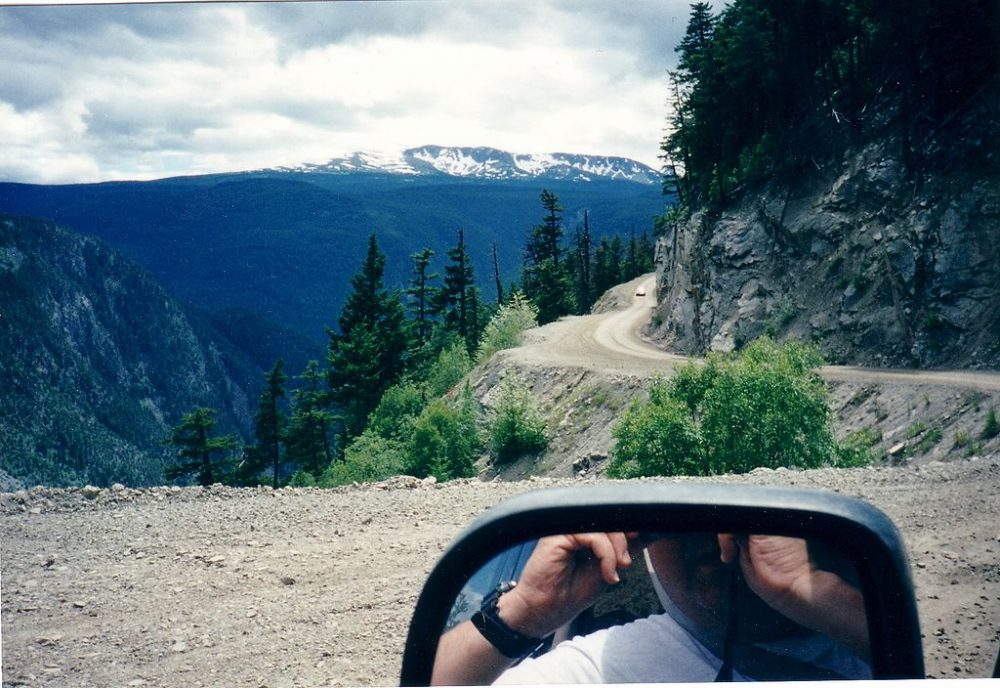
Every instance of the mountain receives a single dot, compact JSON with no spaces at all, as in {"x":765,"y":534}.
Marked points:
{"x":877,"y":260}
{"x":486,"y":163}
{"x":283,"y":244}
{"x":98,"y":362}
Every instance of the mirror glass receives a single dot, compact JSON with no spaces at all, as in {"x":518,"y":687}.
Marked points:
{"x":657,"y":607}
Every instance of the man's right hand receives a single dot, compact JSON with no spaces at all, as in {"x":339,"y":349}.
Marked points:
{"x":564,"y":575}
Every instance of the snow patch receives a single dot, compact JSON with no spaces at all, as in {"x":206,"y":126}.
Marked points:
{"x":485,"y":163}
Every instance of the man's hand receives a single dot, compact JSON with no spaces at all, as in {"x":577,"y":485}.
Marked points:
{"x":778,"y":569}
{"x":563,"y":576}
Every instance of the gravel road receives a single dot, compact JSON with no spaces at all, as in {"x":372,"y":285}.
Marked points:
{"x":298,"y":587}
{"x":609,"y":341}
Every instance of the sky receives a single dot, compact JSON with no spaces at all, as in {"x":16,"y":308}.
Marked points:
{"x":106,"y":92}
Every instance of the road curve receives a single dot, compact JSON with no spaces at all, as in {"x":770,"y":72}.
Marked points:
{"x":610,"y":343}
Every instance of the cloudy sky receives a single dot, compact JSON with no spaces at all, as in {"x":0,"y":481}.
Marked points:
{"x":90,"y":93}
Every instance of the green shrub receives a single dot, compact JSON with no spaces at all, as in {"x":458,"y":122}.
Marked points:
{"x":302,"y":478}
{"x":930,"y":438}
{"x":452,"y":364}
{"x":397,"y":410}
{"x":992,"y":428}
{"x":768,"y":407}
{"x":368,"y":458}
{"x":515,"y":426}
{"x":506,"y":327}
{"x":444,"y":440}
{"x":657,"y":438}
{"x":765,"y":407}
{"x":858,"y":449}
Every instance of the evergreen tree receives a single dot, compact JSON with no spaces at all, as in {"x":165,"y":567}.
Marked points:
{"x":695,"y":140}
{"x":308,"y":435}
{"x":197,"y":448}
{"x":496,"y":275}
{"x":457,"y":302}
{"x":546,"y":276}
{"x":368,"y":354}
{"x":422,"y":294}
{"x":631,"y":267}
{"x":269,"y":422}
{"x":647,"y":254}
{"x":583,"y":267}
{"x":607,"y":264}
{"x":767,"y":86}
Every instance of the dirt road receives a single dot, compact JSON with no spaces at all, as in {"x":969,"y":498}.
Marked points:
{"x":609,"y":342}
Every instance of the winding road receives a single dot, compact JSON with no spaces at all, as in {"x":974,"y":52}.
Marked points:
{"x":609,"y":342}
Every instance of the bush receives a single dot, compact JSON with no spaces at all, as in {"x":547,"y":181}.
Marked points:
{"x":452,"y":364}
{"x":765,"y":407}
{"x":858,"y":449}
{"x":397,"y":410}
{"x":515,"y":426}
{"x":302,"y":478}
{"x":506,"y":327}
{"x":992,"y":428}
{"x":444,"y":440}
{"x":657,"y":439}
{"x":369,"y":458}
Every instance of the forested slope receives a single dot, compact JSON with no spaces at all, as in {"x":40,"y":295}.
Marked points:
{"x":97,"y":362}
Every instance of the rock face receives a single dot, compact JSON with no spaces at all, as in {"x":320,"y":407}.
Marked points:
{"x":878,"y":261}
{"x":98,"y":362}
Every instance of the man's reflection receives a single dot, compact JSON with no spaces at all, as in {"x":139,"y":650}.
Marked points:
{"x":750,"y":607}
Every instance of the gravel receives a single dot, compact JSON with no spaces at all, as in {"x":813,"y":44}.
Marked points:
{"x":299,"y":587}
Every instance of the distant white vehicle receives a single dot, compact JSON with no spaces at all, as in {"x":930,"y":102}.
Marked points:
{"x":641,"y":291}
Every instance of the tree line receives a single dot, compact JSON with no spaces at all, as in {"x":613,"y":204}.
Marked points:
{"x":384,"y":401}
{"x":769,"y":86}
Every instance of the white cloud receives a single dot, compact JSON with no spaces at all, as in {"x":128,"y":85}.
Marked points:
{"x":229,"y":87}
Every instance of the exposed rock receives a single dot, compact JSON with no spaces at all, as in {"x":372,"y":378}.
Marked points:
{"x":877,"y":264}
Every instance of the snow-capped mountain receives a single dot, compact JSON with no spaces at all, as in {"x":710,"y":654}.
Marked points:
{"x":486,"y":163}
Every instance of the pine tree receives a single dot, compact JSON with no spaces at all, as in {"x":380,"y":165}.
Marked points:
{"x":583,"y":267}
{"x":647,"y":254}
{"x":368,"y":354}
{"x":631,"y":267}
{"x":422,"y":294}
{"x":197,"y":448}
{"x":607,"y":264}
{"x":269,"y":422}
{"x":546,"y":276}
{"x":308,"y":434}
{"x":496,"y":275}
{"x":457,"y":302}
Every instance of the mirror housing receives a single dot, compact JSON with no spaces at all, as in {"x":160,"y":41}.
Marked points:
{"x":863,"y":533}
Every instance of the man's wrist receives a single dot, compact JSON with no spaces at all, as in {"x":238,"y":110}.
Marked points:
{"x":507,"y":635}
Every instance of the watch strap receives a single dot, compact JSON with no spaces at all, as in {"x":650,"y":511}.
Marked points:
{"x":506,"y":640}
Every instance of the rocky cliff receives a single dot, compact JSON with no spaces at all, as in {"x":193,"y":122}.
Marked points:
{"x":97,"y":362}
{"x":883,"y":256}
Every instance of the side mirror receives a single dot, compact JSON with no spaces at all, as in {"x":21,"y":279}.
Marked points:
{"x":851,"y":541}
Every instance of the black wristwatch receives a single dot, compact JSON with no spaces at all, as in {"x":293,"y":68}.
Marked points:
{"x":505,"y":639}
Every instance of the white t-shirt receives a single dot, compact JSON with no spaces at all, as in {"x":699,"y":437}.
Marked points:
{"x":657,"y":649}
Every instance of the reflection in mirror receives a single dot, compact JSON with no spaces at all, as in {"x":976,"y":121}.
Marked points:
{"x":657,"y":607}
